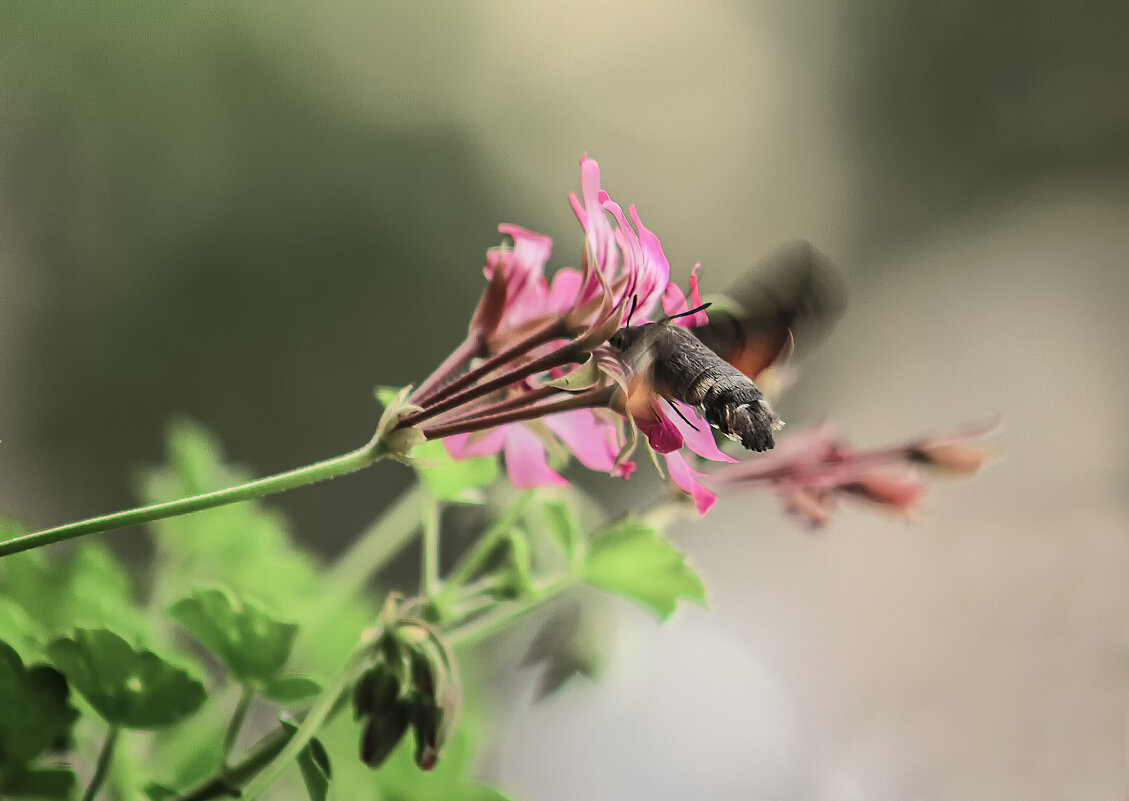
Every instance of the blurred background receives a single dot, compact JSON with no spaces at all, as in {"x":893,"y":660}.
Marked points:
{"x":252,"y":214}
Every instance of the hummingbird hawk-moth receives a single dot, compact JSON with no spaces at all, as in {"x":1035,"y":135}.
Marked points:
{"x":792,"y":295}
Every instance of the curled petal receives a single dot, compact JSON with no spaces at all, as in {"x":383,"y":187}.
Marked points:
{"x":600,"y":239}
{"x":686,"y":478}
{"x":674,"y":302}
{"x":661,"y":433}
{"x":526,"y":461}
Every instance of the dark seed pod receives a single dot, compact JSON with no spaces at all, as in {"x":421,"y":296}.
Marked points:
{"x":383,"y":733}
{"x":427,"y":720}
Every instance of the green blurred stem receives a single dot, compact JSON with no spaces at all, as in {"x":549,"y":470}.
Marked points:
{"x":236,"y":724}
{"x":487,"y":625}
{"x":326,"y":706}
{"x":102,"y":768}
{"x":281,"y":482}
{"x":473,"y":560}
{"x":430,"y":562}
{"x":227,"y":783}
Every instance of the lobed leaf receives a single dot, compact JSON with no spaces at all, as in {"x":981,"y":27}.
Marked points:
{"x":38,"y":783}
{"x":132,"y":688}
{"x":633,"y":560}
{"x":251,"y":643}
{"x":35,"y":710}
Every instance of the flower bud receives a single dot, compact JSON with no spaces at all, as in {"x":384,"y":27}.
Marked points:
{"x":901,"y":492}
{"x":412,"y":682}
{"x":377,"y":699}
{"x":383,"y":733}
{"x":960,"y":460}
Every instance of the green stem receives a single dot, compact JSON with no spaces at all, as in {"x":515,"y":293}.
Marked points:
{"x":227,"y":784}
{"x":315,"y":718}
{"x":481,"y":550}
{"x":485,"y":626}
{"x":430,"y":562}
{"x":236,"y":724}
{"x":319,"y":471}
{"x":102,"y":768}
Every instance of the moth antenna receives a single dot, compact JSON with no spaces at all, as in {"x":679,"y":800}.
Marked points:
{"x":678,"y":412}
{"x":631,"y":311}
{"x":695,"y":310}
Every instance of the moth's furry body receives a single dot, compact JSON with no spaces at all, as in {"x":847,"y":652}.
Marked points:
{"x":678,"y":366}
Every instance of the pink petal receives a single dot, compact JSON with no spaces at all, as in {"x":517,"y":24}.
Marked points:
{"x":526,"y":462}
{"x":565,"y":289}
{"x":531,"y":250}
{"x":698,"y":437}
{"x":655,"y":264}
{"x":601,"y":240}
{"x":478,"y":443}
{"x":686,"y":478}
{"x":674,"y":302}
{"x":661,"y":433}
{"x":592,"y":441}
{"x":698,"y":318}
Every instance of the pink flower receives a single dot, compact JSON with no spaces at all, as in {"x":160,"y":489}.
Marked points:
{"x":523,"y":324}
{"x":811,"y":470}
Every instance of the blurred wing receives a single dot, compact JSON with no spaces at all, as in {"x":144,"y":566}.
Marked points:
{"x":793,"y":295}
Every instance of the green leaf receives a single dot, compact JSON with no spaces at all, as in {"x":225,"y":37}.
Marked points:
{"x":88,"y":587}
{"x":313,"y":763}
{"x":251,"y":643}
{"x":244,"y":545}
{"x":35,"y":713}
{"x":159,"y":792}
{"x":450,"y":480}
{"x":39,"y":783}
{"x":132,"y":688}
{"x":633,"y":560}
{"x":17,"y":629}
{"x":291,"y":689}
{"x":561,"y":521}
{"x":520,"y":568}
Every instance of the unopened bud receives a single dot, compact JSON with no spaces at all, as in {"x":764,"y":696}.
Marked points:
{"x":383,"y":733}
{"x":960,"y":460}
{"x":900,"y":492}
{"x":377,"y":699}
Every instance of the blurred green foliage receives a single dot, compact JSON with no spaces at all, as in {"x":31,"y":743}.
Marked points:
{"x":255,"y":608}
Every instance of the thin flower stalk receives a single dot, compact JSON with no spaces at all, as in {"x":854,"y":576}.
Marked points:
{"x":585,"y":400}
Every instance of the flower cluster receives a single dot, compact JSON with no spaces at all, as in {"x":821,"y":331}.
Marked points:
{"x":542,"y":380}
{"x":536,"y":378}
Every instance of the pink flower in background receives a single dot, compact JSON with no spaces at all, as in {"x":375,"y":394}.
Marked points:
{"x":810,"y":471}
